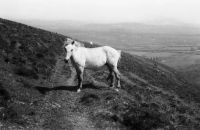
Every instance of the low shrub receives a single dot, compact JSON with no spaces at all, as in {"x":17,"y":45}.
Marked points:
{"x":26,"y":72}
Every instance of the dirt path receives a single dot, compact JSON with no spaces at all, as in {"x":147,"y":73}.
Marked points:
{"x":68,"y":100}
{"x":62,"y":76}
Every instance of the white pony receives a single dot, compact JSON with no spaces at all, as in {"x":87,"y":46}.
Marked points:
{"x":82,"y":57}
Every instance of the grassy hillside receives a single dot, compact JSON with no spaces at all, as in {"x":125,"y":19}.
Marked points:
{"x":38,"y":91}
{"x":192,"y":73}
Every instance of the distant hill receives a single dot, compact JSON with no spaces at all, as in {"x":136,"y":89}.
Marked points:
{"x":38,"y":90}
{"x":133,"y":27}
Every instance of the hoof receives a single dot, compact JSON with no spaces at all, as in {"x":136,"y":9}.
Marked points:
{"x":116,"y":89}
{"x":79,"y":90}
{"x":119,"y":86}
{"x":112,"y":86}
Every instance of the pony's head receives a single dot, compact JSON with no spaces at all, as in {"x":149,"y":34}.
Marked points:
{"x":69,"y":48}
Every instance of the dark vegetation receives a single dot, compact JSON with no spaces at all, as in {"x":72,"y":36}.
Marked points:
{"x":38,"y":91}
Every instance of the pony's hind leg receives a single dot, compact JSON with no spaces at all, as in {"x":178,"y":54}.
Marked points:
{"x":117,"y":75}
{"x":111,"y":76}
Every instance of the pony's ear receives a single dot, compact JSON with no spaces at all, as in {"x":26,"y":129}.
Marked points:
{"x":65,"y":43}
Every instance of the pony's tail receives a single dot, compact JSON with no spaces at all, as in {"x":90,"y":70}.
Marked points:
{"x":120,"y":52}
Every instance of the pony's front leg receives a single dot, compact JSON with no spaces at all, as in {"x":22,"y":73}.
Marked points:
{"x":80,"y":84}
{"x":80,"y":80}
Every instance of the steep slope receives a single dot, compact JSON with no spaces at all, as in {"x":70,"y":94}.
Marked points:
{"x":38,"y":91}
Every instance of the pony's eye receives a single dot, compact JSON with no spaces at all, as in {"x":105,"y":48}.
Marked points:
{"x":72,"y":50}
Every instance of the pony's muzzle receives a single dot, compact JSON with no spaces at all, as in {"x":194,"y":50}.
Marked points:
{"x":66,"y":61}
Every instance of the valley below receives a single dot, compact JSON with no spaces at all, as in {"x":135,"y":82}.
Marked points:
{"x":174,"y":47}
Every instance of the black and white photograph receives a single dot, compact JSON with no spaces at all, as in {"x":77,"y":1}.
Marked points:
{"x":99,"y":65}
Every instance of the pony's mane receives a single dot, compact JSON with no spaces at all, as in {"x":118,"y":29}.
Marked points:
{"x":66,"y":42}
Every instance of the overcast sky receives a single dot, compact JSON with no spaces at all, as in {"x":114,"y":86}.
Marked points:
{"x":152,"y":11}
